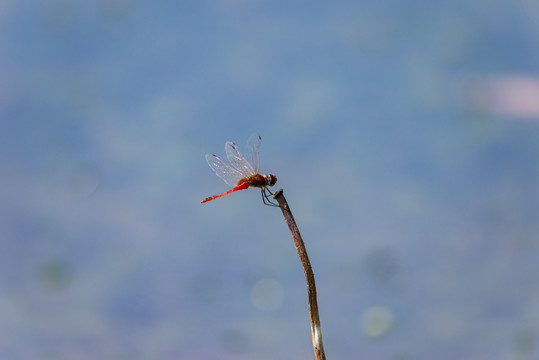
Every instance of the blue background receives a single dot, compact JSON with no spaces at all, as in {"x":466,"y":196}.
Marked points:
{"x":405,"y":136}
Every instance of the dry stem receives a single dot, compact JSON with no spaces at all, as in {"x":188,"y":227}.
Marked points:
{"x":316,"y":332}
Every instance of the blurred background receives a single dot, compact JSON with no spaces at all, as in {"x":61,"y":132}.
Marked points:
{"x":405,"y":136}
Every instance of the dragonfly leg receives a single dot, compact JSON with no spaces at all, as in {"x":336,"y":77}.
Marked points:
{"x":265,"y":198}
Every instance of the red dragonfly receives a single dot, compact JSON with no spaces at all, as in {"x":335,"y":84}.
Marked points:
{"x":241,"y":171}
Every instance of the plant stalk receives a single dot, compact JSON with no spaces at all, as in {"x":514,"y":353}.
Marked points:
{"x":316,"y":332}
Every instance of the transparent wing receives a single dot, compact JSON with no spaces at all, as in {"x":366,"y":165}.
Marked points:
{"x":237,"y":160}
{"x":226,"y":172}
{"x":252,"y":151}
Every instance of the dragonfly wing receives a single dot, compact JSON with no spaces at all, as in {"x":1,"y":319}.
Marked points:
{"x":226,"y":172}
{"x":252,"y":151}
{"x":237,"y":160}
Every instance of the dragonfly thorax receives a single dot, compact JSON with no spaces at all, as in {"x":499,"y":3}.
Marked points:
{"x":259,"y":180}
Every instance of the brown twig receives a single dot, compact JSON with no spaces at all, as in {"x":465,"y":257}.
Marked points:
{"x":316,"y":332}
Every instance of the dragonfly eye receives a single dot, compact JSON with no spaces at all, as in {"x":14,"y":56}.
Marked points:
{"x":271,"y":179}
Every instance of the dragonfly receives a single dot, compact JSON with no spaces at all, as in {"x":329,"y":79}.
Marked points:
{"x":241,"y":172}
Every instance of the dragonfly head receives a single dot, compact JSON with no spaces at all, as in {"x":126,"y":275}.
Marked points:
{"x":271,"y":179}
